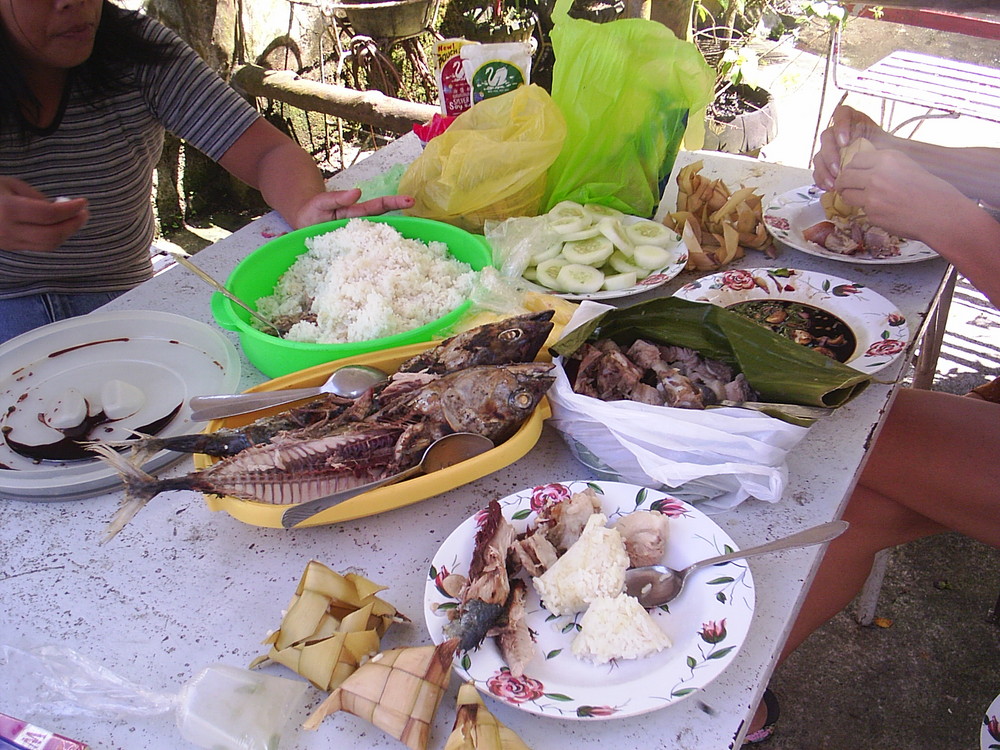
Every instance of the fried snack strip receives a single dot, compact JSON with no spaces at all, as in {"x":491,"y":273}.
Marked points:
{"x":715,"y":223}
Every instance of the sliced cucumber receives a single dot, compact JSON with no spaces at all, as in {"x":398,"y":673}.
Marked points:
{"x":547,"y":272}
{"x":530,"y":273}
{"x":612,"y":229}
{"x":567,"y":208}
{"x":590,"y":252}
{"x":646,"y":232}
{"x":569,"y":224}
{"x":598,"y":212}
{"x":622,"y":264}
{"x":584,"y":234}
{"x":652,"y":257}
{"x":617,"y":282}
{"x":579,"y":279}
{"x":552,"y":251}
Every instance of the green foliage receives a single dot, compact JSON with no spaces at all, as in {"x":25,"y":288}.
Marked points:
{"x":832,"y":13}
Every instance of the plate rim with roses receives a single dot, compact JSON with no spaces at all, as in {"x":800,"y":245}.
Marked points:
{"x":707,"y":625}
{"x":788,"y":215}
{"x":880,"y":328}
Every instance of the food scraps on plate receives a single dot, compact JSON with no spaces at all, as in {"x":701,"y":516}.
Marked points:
{"x":577,"y":563}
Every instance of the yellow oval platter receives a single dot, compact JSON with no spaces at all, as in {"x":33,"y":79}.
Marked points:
{"x":385,"y":498}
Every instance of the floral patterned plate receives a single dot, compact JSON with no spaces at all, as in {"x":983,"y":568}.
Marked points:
{"x":789,"y":214}
{"x":707,"y":624}
{"x":879,"y":328}
{"x":989,"y":736}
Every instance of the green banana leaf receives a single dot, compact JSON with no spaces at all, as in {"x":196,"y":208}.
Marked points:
{"x":778,"y":369}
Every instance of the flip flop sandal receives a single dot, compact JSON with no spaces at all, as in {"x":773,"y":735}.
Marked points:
{"x":765,"y":732}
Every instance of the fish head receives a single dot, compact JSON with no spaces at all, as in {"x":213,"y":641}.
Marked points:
{"x":515,"y":339}
{"x":495,"y":401}
{"x":519,"y":339}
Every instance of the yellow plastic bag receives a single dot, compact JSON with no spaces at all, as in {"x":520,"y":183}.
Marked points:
{"x":627,"y":90}
{"x":490,"y":163}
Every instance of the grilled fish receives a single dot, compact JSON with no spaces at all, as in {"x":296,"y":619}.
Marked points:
{"x":515,"y":339}
{"x":484,"y":598}
{"x":300,"y":465}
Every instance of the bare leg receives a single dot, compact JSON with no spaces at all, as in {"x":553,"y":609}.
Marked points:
{"x":934,"y":467}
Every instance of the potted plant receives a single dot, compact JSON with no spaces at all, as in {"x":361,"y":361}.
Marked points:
{"x":389,"y":19}
{"x":742,"y":117}
{"x":496,"y":21}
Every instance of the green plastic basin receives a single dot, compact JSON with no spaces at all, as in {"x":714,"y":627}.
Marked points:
{"x":257,"y":274}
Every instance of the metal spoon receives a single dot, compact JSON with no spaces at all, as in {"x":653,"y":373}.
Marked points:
{"x":204,"y":276}
{"x":444,"y":452}
{"x":655,"y":585}
{"x":349,"y":381}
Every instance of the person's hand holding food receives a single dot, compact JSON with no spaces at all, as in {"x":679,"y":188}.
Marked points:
{"x":846,"y":126}
{"x":898,"y":194}
{"x":31,"y":221}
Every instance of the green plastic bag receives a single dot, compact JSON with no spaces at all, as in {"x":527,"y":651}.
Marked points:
{"x":626,"y":89}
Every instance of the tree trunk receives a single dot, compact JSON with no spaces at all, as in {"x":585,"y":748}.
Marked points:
{"x":637,"y":8}
{"x":209,"y":26}
{"x":169,"y":213}
{"x":674,"y":14}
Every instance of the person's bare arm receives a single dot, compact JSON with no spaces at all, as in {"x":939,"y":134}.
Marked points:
{"x":898,"y":194}
{"x":290,"y":181}
{"x":972,"y":170}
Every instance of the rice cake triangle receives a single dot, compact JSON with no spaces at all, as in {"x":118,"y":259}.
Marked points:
{"x":478,"y":729}
{"x":397,"y":691}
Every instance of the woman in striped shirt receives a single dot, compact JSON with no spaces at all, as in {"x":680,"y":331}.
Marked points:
{"x":87,"y":90}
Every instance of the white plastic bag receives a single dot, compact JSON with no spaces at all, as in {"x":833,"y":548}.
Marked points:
{"x":716,"y":458}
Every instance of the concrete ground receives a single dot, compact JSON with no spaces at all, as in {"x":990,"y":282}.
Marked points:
{"x":922,"y":678}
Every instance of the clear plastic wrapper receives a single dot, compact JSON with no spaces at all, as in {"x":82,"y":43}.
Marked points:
{"x":222,"y":707}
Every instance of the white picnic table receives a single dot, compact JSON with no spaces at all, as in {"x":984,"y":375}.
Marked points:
{"x":182,"y":588}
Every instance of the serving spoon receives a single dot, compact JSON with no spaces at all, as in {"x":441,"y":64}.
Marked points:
{"x":207,"y":278}
{"x":349,"y":381}
{"x":656,"y":585}
{"x":444,"y":452}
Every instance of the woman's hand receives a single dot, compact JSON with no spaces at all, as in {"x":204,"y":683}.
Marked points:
{"x":291,"y":183}
{"x":901,"y":196}
{"x":846,"y":125}
{"x":30,"y":221}
{"x":343,"y":204}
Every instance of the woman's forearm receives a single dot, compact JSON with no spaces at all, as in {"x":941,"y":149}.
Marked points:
{"x":974,"y":171}
{"x":970,"y":241}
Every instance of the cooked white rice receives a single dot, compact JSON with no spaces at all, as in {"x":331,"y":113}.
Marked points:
{"x":365,"y":281}
{"x":593,"y":567}
{"x":617,"y":628}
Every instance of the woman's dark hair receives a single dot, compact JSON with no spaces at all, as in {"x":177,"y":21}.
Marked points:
{"x":118,"y":45}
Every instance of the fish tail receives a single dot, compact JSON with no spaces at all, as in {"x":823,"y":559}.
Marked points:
{"x":140,"y":488}
{"x":141,"y":448}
